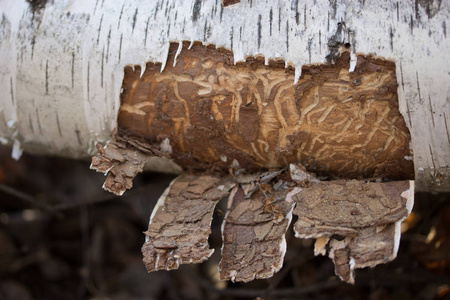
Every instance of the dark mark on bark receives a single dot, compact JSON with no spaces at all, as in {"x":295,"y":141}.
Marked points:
{"x":176,"y":16}
{"x":279,"y":19}
{"x":33,"y":42}
{"x":391,"y":39}
{"x":418,"y":87}
{"x":31,"y":123}
{"x":333,"y":5}
{"x":240,"y":33}
{"x":398,"y":13}
{"x":167,"y":8}
{"x":401,"y":76}
{"x":134,"y":20}
{"x":320,"y":42}
{"x":446,"y":128}
{"x":103,"y":2}
{"x":409,"y":115}
{"x":77,"y":132}
{"x":431,"y":110}
{"x":99,"y":29}
{"x":432,"y":158}
{"x":221,"y":14}
{"x":11,"y":89}
{"x":335,"y":42}
{"x":259,"y":31}
{"x":120,"y":46}
{"x":103,"y":61}
{"x":304,"y":16}
{"x":168,"y":29}
{"x":38,"y":120}
{"x":59,"y":126}
{"x":146,"y":32}
{"x":411,"y":24}
{"x":328,"y":23}
{"x":205,"y":29}
{"x":294,"y":7}
{"x":271,"y":20}
{"x":88,"y":71}
{"x":251,"y":3}
{"x":444,"y":28}
{"x":120,"y":16}
{"x":46,"y":77}
{"x":156,"y":12}
{"x":107,"y":44}
{"x":287,"y":35}
{"x":36,"y":5}
{"x":416,"y":9}
{"x":73,"y":67}
{"x":309,"y":49}
{"x":231,"y":37}
{"x":95,"y":8}
{"x":196,"y":10}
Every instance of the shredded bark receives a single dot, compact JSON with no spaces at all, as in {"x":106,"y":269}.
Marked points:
{"x":357,"y":221}
{"x":253,"y":233}
{"x":180,"y":223}
{"x":120,"y":163}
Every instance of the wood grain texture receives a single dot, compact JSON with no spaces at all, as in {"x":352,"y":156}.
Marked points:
{"x":214,"y":112}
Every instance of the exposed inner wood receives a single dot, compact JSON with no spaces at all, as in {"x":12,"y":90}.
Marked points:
{"x":181,"y":223}
{"x":214,"y":112}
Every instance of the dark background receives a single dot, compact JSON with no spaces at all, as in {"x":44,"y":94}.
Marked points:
{"x":63,"y":237}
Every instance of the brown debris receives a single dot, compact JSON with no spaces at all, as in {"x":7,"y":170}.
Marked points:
{"x":180,"y":223}
{"x":214,"y":112}
{"x":121,"y":163}
{"x":360,"y":222}
{"x":253,"y":234}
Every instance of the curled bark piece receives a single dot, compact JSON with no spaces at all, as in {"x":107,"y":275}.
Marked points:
{"x":253,"y":234}
{"x":301,"y":176}
{"x":120,"y":163}
{"x":359,"y":222}
{"x":180,"y":223}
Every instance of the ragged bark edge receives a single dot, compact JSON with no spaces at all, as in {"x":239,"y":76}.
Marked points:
{"x":349,"y":253}
{"x":180,"y":223}
{"x":267,"y":251}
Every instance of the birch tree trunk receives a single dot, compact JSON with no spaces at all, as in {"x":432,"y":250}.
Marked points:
{"x":62,"y":62}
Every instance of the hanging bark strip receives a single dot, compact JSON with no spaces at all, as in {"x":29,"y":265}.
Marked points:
{"x":360,"y":222}
{"x":253,"y":232}
{"x":213,"y":112}
{"x":181,"y":223}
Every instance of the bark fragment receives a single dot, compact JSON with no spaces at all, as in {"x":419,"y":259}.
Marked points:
{"x":253,"y":232}
{"x":120,"y":163}
{"x":180,"y":223}
{"x":359,"y":222}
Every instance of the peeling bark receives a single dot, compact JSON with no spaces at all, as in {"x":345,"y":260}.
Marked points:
{"x":358,"y":221}
{"x":180,"y":223}
{"x":253,"y":234}
{"x":332,"y":121}
{"x":120,"y":163}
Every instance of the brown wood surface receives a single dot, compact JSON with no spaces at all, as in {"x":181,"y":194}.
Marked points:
{"x":213,"y":112}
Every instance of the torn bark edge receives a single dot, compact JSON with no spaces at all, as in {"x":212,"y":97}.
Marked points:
{"x":235,"y":275}
{"x":122,"y":159}
{"x":340,"y":251}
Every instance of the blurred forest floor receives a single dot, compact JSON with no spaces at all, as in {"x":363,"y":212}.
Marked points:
{"x":63,"y":237}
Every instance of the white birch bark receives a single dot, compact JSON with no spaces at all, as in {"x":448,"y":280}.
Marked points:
{"x":61,"y":67}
